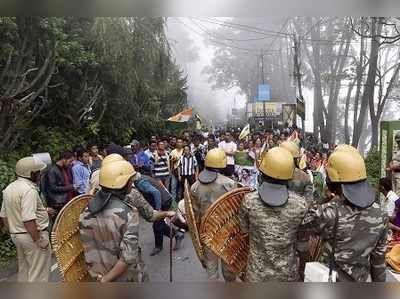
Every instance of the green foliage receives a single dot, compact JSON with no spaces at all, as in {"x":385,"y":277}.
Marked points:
{"x":373,"y":167}
{"x":6,"y":174}
{"x":114,"y":78}
{"x":7,"y":250}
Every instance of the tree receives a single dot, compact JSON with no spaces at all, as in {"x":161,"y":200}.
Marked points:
{"x":94,"y":78}
{"x":28,"y":64}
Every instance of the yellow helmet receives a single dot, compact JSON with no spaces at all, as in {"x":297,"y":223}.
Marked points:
{"x":346,"y":166}
{"x":116,"y":175}
{"x":216,"y":158}
{"x":278,"y":163}
{"x":292,"y":148}
{"x":112,"y":158}
{"x":27,"y":165}
{"x":346,"y":147}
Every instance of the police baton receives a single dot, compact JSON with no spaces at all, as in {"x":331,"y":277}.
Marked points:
{"x":170,"y":250}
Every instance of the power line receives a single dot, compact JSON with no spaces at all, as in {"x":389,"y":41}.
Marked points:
{"x":237,"y":26}
{"x":217,"y":42}
{"x":204,"y":28}
{"x":233,"y":46}
{"x":265,"y":31}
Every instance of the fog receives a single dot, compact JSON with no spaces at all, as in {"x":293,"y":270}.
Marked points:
{"x":225,"y":60}
{"x":193,"y":54}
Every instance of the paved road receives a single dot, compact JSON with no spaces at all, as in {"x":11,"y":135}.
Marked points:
{"x":186,"y":267}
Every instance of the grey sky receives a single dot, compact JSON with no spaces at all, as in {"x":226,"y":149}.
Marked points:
{"x":212,"y":104}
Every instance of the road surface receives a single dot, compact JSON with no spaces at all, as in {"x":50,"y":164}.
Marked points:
{"x":186,"y":267}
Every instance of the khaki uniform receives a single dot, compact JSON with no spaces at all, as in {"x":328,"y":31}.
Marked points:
{"x":273,"y":236}
{"x":22,"y":203}
{"x":396,"y":175}
{"x":203,"y":195}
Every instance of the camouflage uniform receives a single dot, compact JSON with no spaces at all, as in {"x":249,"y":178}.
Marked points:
{"x":396,"y":174}
{"x":203,"y":195}
{"x":135,"y":199}
{"x":302,"y":185}
{"x":273,"y":232}
{"x":112,"y":234}
{"x":361,"y":238}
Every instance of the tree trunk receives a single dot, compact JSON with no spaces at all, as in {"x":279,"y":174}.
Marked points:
{"x":369,"y":89}
{"x":319,"y":123}
{"x":346,"y":113}
{"x":335,"y":87}
{"x":376,"y":29}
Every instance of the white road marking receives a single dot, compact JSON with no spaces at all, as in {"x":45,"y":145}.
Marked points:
{"x":54,"y":267}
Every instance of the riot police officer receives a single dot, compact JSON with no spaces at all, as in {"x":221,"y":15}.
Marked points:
{"x":271,"y":216}
{"x":211,"y":184}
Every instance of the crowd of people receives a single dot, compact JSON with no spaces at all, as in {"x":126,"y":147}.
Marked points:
{"x":157,"y":171}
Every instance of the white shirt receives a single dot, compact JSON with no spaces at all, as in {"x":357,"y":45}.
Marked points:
{"x":148,"y":153}
{"x":390,"y":206}
{"x":228,"y":147}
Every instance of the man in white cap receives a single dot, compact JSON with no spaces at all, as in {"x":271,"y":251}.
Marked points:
{"x":28,"y":220}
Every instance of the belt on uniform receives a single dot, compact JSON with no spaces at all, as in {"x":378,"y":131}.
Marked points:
{"x":21,"y":233}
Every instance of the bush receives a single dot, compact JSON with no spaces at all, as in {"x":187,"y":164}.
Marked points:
{"x":6,"y":175}
{"x":53,"y":140}
{"x":372,"y":164}
{"x":7,"y":250}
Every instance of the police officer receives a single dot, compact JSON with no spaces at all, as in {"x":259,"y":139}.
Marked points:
{"x":211,"y":184}
{"x":301,"y":182}
{"x":394,"y":166}
{"x":271,"y":216}
{"x":109,"y":226}
{"x":28,"y":220}
{"x":352,"y":226}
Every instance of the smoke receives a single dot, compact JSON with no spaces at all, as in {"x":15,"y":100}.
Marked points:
{"x":192,"y":54}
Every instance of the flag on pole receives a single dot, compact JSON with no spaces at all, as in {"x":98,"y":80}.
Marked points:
{"x":303,"y":162}
{"x":245,"y":132}
{"x":294,"y":137}
{"x":182,"y":116}
{"x":199,"y":123}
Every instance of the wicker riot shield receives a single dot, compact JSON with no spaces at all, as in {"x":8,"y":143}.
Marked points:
{"x":191,"y":222}
{"x":221,"y":233}
{"x":65,"y":239}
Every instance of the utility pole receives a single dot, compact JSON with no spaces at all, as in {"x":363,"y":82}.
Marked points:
{"x":296,"y":71}
{"x":263,"y":82}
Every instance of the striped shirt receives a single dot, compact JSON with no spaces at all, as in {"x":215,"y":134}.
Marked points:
{"x":188,"y":165}
{"x":160,"y":165}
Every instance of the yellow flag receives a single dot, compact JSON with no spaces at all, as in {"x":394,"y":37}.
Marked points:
{"x":303,"y":162}
{"x":245,"y":132}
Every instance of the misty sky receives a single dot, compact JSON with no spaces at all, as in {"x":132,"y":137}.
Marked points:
{"x":214,"y":104}
{"x":193,"y":53}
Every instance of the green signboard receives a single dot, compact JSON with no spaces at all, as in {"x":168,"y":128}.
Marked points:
{"x":388,"y":146}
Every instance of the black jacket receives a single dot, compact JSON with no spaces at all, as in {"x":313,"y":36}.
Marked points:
{"x":56,"y":190}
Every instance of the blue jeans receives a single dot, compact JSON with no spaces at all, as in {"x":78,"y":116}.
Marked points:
{"x":176,"y":188}
{"x":144,"y":186}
